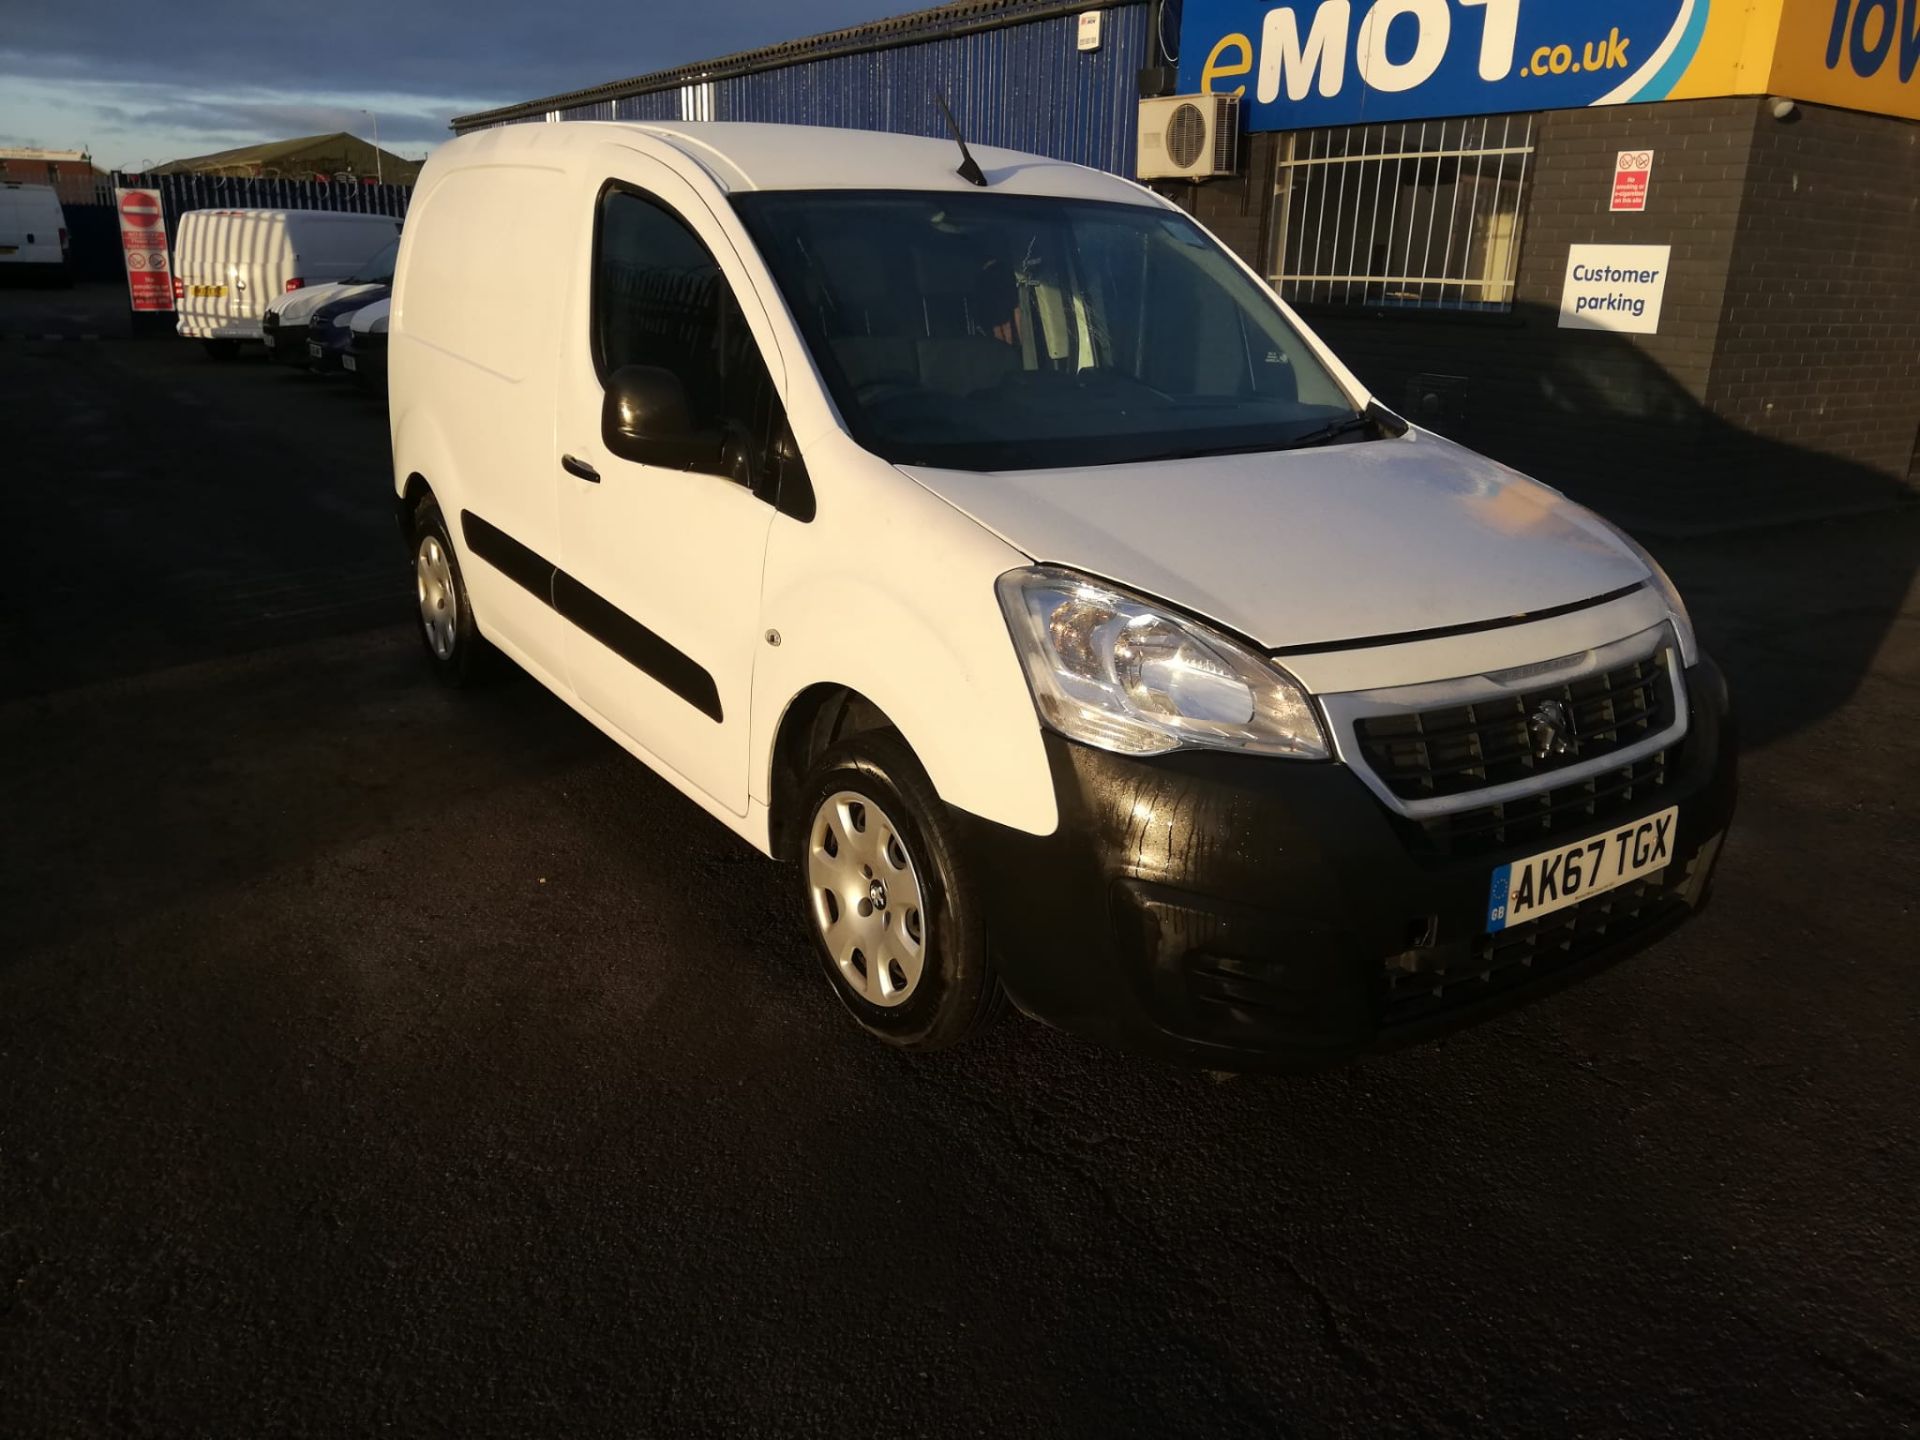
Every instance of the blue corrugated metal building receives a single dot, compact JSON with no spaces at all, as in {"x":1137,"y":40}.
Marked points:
{"x":1012,"y":70}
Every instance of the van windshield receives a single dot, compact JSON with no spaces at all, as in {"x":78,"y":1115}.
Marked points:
{"x":999,"y":332}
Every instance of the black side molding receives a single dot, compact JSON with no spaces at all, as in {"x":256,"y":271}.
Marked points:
{"x":605,"y":622}
{"x":637,"y":645}
{"x":526,"y":568}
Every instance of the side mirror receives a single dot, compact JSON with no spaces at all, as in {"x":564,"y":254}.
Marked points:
{"x":644,"y":419}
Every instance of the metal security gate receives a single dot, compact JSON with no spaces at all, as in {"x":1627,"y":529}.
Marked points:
{"x":1421,"y":214}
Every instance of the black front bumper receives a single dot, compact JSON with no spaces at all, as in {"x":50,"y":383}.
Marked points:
{"x":1240,"y":912}
{"x":286,"y":344}
{"x":323,"y":354}
{"x":369,"y":355}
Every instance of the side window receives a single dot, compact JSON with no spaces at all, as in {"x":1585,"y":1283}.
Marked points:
{"x":659,"y":299}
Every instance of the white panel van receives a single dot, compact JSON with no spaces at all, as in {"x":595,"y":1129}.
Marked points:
{"x":229,"y":263}
{"x":998,"y":549}
{"x":33,"y":230}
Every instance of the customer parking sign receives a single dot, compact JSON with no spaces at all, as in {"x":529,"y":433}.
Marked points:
{"x":1614,"y":287}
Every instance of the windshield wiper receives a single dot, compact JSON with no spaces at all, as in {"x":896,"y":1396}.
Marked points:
{"x":1375,"y":417}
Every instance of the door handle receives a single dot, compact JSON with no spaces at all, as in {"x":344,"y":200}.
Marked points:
{"x":580,"y":468}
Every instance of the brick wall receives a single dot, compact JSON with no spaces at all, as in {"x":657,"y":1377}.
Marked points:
{"x":1664,"y":429}
{"x":1820,"y":340}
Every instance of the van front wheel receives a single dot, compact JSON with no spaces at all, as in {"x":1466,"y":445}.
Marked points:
{"x":888,"y":898}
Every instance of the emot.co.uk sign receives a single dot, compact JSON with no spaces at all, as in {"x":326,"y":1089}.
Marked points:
{"x":1302,"y":63}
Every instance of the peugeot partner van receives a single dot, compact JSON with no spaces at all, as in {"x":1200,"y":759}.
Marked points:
{"x":229,"y":263}
{"x":33,"y":232}
{"x":1002,"y":552}
{"x":283,"y":326}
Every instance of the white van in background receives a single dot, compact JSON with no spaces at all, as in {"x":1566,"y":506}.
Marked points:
{"x":229,"y":263}
{"x":33,"y":229}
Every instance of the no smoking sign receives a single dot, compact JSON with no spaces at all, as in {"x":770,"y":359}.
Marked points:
{"x":1632,"y":170}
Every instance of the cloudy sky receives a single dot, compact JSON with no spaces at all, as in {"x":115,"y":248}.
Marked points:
{"x":136,"y":82}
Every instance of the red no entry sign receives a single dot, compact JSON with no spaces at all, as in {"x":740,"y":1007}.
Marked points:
{"x":140,"y":208}
{"x":143,"y":240}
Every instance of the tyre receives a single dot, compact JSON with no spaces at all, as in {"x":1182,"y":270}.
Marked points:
{"x":888,"y":898}
{"x":222,"y":350}
{"x":458,"y":653}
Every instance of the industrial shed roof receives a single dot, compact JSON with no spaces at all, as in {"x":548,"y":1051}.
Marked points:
{"x":939,"y":22}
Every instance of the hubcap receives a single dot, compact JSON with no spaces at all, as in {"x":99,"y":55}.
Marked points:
{"x":866,"y":898}
{"x":439,"y":605}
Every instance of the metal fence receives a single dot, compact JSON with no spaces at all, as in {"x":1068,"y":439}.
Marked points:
{"x":94,"y":229}
{"x":180,"y":193}
{"x":1424,"y":214}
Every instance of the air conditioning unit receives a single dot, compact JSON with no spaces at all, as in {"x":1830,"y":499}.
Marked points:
{"x":1189,"y":137}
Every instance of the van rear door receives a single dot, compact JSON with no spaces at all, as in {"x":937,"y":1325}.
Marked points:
{"x":30,"y":225}
{"x":207,"y":238}
{"x":255,"y":266}
{"x":13,"y":230}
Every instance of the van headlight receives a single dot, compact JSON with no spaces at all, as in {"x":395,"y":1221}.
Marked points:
{"x":1116,"y":671}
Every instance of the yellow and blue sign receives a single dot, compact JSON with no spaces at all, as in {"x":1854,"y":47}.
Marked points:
{"x":1302,"y":63}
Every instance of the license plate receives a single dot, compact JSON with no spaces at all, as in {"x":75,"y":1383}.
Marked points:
{"x":347,"y":362}
{"x":207,"y":292}
{"x":9,"y":249}
{"x":314,"y":352}
{"x":1568,"y":874}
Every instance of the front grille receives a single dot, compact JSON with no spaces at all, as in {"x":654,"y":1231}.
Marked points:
{"x":1420,"y":983}
{"x":1430,"y":754}
{"x":1533,"y":820}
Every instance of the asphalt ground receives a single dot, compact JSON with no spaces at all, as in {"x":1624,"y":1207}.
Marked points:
{"x":377,"y":1059}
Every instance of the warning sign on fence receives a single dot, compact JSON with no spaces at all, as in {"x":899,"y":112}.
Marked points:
{"x":143,"y":239}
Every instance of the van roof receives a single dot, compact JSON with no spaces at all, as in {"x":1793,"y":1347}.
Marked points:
{"x":742,"y":157}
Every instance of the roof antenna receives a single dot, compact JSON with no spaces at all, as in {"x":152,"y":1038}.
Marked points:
{"x":968,"y":169}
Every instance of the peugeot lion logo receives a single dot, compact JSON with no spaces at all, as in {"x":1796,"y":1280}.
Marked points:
{"x":1551,"y":729}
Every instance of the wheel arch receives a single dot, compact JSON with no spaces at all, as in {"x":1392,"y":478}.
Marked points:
{"x":406,"y":500}
{"x":814,"y":720}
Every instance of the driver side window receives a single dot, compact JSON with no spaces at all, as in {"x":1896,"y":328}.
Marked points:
{"x":660,"y":299}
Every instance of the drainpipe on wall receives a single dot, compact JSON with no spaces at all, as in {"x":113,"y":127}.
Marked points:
{"x":1157,"y":78}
